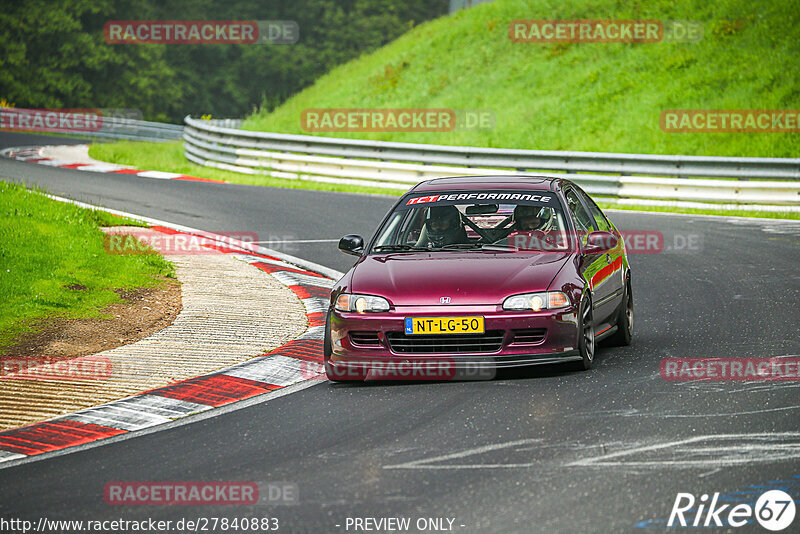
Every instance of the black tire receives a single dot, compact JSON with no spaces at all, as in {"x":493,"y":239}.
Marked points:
{"x":624,"y":334}
{"x":327,"y":350}
{"x":586,"y":343}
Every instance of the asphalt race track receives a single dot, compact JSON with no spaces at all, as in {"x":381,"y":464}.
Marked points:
{"x":540,"y":450}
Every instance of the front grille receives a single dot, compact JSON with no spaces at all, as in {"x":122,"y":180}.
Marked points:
{"x":491,"y":341}
{"x":369,"y":339}
{"x":530,"y":335}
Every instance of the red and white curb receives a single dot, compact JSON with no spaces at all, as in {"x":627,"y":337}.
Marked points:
{"x":294,"y":362}
{"x":34,"y":154}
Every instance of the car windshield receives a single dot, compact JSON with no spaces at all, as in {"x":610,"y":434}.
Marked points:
{"x":497,"y":221}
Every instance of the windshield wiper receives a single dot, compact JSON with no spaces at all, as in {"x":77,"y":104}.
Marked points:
{"x":460,"y":246}
{"x":500,"y":248}
{"x":398,"y":248}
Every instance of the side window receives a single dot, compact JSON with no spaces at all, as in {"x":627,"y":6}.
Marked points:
{"x":599,"y":219}
{"x":389,"y":232}
{"x":582,"y":219}
{"x":412,"y":227}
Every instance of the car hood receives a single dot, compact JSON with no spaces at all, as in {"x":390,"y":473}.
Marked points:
{"x":466,"y":277}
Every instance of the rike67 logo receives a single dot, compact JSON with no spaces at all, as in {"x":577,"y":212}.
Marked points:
{"x":774,"y":510}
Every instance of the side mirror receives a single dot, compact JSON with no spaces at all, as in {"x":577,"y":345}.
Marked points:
{"x":352,"y":244}
{"x":599,"y":242}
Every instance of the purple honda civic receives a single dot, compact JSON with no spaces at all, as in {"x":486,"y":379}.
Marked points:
{"x":480,"y":272}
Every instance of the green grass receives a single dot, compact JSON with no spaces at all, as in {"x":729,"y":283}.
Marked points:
{"x":47,"y":246}
{"x":604,"y":97}
{"x":168,"y":157}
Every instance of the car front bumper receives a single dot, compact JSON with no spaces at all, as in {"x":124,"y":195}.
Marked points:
{"x":518,"y":339}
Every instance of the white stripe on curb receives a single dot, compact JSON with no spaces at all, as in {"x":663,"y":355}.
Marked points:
{"x":135,"y":413}
{"x":100,"y":167}
{"x":156,"y":174}
{"x":6,"y":456}
{"x":277,"y":370}
{"x":297,"y":279}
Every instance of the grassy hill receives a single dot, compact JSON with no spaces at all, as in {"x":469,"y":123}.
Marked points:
{"x":581,"y":96}
{"x":55,"y":264}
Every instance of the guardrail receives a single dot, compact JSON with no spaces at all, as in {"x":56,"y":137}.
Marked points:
{"x":87,"y":123}
{"x":760,"y":183}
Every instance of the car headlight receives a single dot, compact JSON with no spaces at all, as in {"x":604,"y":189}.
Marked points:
{"x":361,"y":303}
{"x":536,"y":301}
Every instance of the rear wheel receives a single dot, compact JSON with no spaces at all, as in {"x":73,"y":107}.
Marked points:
{"x":586,"y":343}
{"x":622,"y":337}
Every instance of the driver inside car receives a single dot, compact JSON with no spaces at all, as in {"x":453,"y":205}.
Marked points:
{"x":527,"y":218}
{"x":442,"y":227}
{"x":531,"y":230}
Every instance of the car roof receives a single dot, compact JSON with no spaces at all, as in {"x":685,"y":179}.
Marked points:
{"x":471,"y":183}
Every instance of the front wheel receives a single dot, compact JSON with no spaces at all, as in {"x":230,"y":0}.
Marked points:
{"x":586,"y":344}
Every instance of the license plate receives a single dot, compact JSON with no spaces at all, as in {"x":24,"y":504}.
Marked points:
{"x":444,"y":325}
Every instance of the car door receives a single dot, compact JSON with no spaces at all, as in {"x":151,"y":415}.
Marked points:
{"x":610,"y":279}
{"x":592,"y":266}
